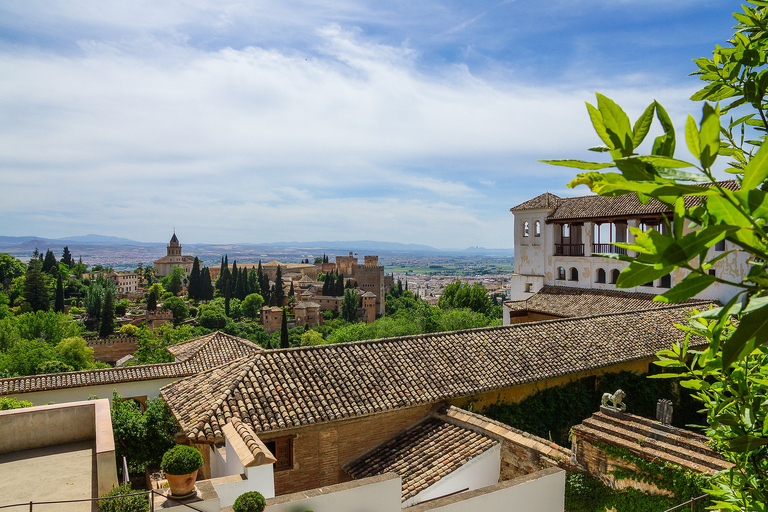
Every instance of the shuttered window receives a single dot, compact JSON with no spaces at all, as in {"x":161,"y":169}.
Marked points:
{"x":282,"y":449}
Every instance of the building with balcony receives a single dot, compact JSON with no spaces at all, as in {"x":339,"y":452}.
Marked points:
{"x":558,"y":242}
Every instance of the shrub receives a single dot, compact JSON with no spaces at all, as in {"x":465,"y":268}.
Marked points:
{"x":249,"y":502}
{"x":13,"y":403}
{"x":181,"y":460}
{"x":129,"y":330}
{"x":124,"y":503}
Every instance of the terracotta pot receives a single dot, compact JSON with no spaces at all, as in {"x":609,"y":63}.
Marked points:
{"x":181,"y":485}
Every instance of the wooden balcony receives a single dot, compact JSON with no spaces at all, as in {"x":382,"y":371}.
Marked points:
{"x":569,"y":249}
{"x":608,"y":248}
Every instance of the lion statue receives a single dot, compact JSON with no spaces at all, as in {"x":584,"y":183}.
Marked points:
{"x":616,"y":399}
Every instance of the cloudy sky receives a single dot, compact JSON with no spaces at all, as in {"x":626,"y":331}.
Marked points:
{"x":279,"y":120}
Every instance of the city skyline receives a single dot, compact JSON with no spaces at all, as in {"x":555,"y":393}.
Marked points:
{"x":306,"y":121}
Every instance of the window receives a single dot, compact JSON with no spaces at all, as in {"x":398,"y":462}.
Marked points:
{"x":600,"y":276}
{"x":615,"y":275}
{"x":561,"y":273}
{"x":537,"y":228}
{"x":528,"y":287}
{"x":282,"y":449}
{"x":720,"y":246}
{"x":526,"y":228}
{"x":649,"y":283}
{"x":574,"y":274}
{"x":566,"y":230}
{"x":665,"y":281}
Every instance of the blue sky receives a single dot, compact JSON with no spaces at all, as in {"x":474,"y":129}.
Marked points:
{"x":264,"y":121}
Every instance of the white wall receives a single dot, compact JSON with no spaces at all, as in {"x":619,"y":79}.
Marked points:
{"x":376,"y":494}
{"x":148,"y":388}
{"x":231,"y":479}
{"x":479,"y":472}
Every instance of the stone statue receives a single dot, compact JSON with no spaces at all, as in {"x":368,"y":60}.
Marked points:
{"x":664,"y":411}
{"x":616,"y":399}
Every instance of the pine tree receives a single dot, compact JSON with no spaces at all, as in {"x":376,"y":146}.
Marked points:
{"x":49,"y":263}
{"x":107,"y":325}
{"x":284,"y":331}
{"x":58,"y":304}
{"x":206,"y":286}
{"x":194,"y":281}
{"x":279,"y":290}
{"x":66,"y":258}
{"x":36,"y":290}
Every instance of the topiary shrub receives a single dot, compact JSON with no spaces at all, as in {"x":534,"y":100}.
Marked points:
{"x":138,"y":503}
{"x":181,"y":460}
{"x":249,"y":502}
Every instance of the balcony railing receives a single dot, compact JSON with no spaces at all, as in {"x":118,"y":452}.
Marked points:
{"x":608,"y":248}
{"x":569,"y":249}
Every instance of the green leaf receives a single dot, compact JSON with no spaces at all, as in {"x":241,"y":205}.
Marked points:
{"x":692,"y":137}
{"x":753,"y":325}
{"x":664,"y":145}
{"x":755,"y":202}
{"x":661,"y":161}
{"x":709,"y":136}
{"x":745,"y":443}
{"x":724,"y":212}
{"x":678,"y":217}
{"x":637,"y":274}
{"x":599,"y":125}
{"x":757,"y":169}
{"x":687,"y":288}
{"x":642,"y":125}
{"x":578,"y":164}
{"x":616,"y":124}
{"x":694,"y":384}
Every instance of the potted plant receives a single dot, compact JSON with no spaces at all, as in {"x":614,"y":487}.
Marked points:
{"x":251,"y":501}
{"x":180,"y":465}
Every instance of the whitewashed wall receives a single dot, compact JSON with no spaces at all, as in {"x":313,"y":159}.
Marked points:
{"x":148,"y":388}
{"x":376,"y":494}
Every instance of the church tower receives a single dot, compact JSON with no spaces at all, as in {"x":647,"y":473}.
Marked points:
{"x":174,"y":249}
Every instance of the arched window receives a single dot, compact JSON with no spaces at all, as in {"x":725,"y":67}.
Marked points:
{"x":537,"y":228}
{"x":561,"y":273}
{"x":574,"y":274}
{"x":665,"y":281}
{"x":615,"y":275}
{"x":526,"y":228}
{"x":600,"y":276}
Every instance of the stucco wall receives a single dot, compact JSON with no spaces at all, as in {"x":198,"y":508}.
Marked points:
{"x":144,"y":388}
{"x":376,"y":494}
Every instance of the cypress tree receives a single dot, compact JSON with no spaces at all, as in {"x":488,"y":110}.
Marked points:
{"x":227,"y":296}
{"x":339,"y":289}
{"x":284,"y":331}
{"x":66,"y":258}
{"x":253,"y":283}
{"x":107,"y":325}
{"x":36,"y":290}
{"x":49,"y":263}
{"x":194,"y":281}
{"x":234,"y":277}
{"x":206,"y":286}
{"x":241,"y":291}
{"x":279,"y":290}
{"x":152,"y":300}
{"x":272,"y":296}
{"x":291,"y":293}
{"x":263,"y":282}
{"x":58,"y":304}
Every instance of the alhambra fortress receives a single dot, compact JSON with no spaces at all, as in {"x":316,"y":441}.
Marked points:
{"x":393,"y":424}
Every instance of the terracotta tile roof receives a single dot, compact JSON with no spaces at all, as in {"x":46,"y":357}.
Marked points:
{"x":565,"y":301}
{"x":627,"y":205}
{"x":422,"y":455}
{"x":651,"y":440}
{"x":286,"y":388}
{"x":545,"y":200}
{"x":257,"y":453}
{"x":200,"y":354}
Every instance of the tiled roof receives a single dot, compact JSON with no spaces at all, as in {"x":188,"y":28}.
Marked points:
{"x":255,"y":453}
{"x":422,"y":455}
{"x":200,"y":354}
{"x":565,"y":301}
{"x":543,"y":201}
{"x":280,"y":389}
{"x":651,"y":440}
{"x":592,"y":206}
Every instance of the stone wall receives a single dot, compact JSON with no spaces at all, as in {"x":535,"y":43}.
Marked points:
{"x":109,"y":350}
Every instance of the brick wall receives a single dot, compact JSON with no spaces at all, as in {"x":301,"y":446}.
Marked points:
{"x":109,"y":350}
{"x":321,"y":450}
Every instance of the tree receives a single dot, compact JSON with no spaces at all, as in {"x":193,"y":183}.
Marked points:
{"x":221,"y":282}
{"x":107,"y":324}
{"x":152,"y":300}
{"x":284,"y":343}
{"x":291,"y":291}
{"x":253,"y":282}
{"x":206,"y":286}
{"x":279,"y":290}
{"x":58,"y":303}
{"x":66,"y":258}
{"x":234,"y":278}
{"x":174,"y":281}
{"x":349,"y":306}
{"x":212,"y":317}
{"x":338,"y":290}
{"x":311,"y":337}
{"x":76,"y":353}
{"x":195,"y":284}
{"x":729,"y":375}
{"x":37,"y":288}
{"x":251,"y":306}
{"x":463,"y":295}
{"x":49,"y":263}
{"x":178,"y":308}
{"x":10,"y":268}
{"x":227,"y":297}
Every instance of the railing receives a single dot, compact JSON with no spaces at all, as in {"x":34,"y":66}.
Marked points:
{"x":569,"y":249}
{"x":691,"y":502}
{"x":608,"y":248}
{"x":151,"y":493}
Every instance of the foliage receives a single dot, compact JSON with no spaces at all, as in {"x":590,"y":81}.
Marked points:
{"x":178,"y":307}
{"x":211,"y":316}
{"x":284,"y":341}
{"x":311,"y":337}
{"x":25,"y":356}
{"x":181,"y":460}
{"x":349,"y":306}
{"x":551,"y":412}
{"x":152,"y":342}
{"x":471,"y":296}
{"x":142,"y":437}
{"x":174,"y":282}
{"x":251,"y":501}
{"x":75,"y":352}
{"x":94,"y":295}
{"x":251,"y":305}
{"x":107,"y":324}
{"x":7,"y":403}
{"x":129,"y":330}
{"x":248,"y":330}
{"x":586,"y":493}
{"x":122,"y":503}
{"x":53,"y":366}
{"x":37,"y":286}
{"x":10,"y":268}
{"x":58,"y":302}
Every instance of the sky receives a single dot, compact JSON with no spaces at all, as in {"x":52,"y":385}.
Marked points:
{"x":278,"y":120}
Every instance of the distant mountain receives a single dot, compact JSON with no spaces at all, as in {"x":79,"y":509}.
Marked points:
{"x":100,"y":240}
{"x":357,"y":246}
